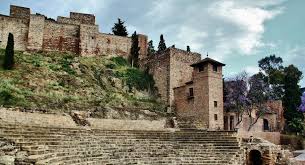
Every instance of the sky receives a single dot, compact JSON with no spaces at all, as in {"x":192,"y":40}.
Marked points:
{"x":236,"y":32}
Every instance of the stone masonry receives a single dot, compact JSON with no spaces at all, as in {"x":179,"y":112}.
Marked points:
{"x":77,"y":34}
{"x":201,"y":99}
{"x":171,"y":69}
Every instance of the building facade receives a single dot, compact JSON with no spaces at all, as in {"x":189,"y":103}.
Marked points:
{"x":200,"y":100}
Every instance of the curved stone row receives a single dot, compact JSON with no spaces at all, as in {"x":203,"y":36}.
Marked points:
{"x":92,"y":146}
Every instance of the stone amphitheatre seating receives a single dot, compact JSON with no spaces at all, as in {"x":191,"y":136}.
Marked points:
{"x":92,"y":146}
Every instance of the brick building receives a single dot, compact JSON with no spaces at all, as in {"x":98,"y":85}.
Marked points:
{"x":200,"y":100}
{"x":77,"y":34}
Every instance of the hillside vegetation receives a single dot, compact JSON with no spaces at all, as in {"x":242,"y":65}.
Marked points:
{"x":64,"y":82}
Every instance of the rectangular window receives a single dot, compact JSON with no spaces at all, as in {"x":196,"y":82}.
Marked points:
{"x":215,"y":117}
{"x":215,"y":68}
{"x":191,"y":92}
{"x":215,"y":103}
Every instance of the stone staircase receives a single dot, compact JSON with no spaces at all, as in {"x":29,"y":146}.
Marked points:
{"x":79,"y":146}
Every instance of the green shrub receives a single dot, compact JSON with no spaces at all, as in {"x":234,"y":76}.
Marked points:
{"x":119,"y":61}
{"x":139,"y":79}
{"x":37,"y":62}
{"x":111,"y":66}
{"x":11,"y":95}
{"x":66,"y":63}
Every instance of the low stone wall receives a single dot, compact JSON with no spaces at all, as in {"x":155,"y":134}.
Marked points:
{"x":273,"y":137}
{"x":293,"y":142}
{"x":116,"y":124}
{"x":43,"y":120}
{"x":14,"y":116}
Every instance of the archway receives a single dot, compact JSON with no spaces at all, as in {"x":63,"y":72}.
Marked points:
{"x":255,"y":158}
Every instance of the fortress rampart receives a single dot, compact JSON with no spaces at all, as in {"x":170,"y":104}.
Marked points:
{"x":77,"y":34}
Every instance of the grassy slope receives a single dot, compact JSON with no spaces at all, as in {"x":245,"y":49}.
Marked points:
{"x":59,"y":81}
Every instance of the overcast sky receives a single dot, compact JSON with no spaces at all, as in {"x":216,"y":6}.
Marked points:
{"x":236,"y":32}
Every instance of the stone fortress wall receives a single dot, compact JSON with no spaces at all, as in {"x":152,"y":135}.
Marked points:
{"x":171,"y":69}
{"x":77,"y":34}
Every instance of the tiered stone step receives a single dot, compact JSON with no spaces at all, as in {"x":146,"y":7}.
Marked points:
{"x":81,"y":146}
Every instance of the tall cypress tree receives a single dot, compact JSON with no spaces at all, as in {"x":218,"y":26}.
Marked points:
{"x":119,"y":29}
{"x":9,"y":53}
{"x":162,"y":45}
{"x":150,"y":48}
{"x":134,"y":51}
{"x":292,"y":96}
{"x":188,"y":49}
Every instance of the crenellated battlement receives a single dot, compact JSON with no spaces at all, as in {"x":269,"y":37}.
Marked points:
{"x":77,"y":33}
{"x":20,"y":12}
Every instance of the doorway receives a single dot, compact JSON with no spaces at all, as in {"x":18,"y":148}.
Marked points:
{"x":255,"y":158}
{"x":266,"y":125}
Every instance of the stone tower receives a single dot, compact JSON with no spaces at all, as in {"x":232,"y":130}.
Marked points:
{"x":171,"y":68}
{"x":201,"y":99}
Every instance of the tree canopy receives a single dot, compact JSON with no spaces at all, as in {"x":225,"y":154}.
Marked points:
{"x":119,"y":28}
{"x":162,"y":45}
{"x":134,"y":51}
{"x":292,"y":96}
{"x":273,"y":74}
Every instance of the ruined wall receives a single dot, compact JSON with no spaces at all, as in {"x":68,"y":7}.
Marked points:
{"x":88,"y":43}
{"x":180,"y":69}
{"x":113,"y":45}
{"x":20,"y":12}
{"x":83,"y":18}
{"x":143,"y":46}
{"x":77,"y":34}
{"x":77,"y":19}
{"x":60,"y":37}
{"x":159,"y":67}
{"x":36,"y":31}
{"x":66,"y":20}
{"x":18,"y":27}
{"x":171,"y":69}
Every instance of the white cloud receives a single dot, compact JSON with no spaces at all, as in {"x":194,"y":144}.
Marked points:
{"x":248,"y":19}
{"x":296,"y":56}
{"x":251,"y":70}
{"x":224,"y":28}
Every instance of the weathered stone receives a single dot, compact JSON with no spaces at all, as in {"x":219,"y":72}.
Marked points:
{"x":7,"y":160}
{"x":77,"y":34}
{"x":171,"y":69}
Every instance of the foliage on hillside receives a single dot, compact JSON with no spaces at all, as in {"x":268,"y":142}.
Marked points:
{"x":60,"y":81}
